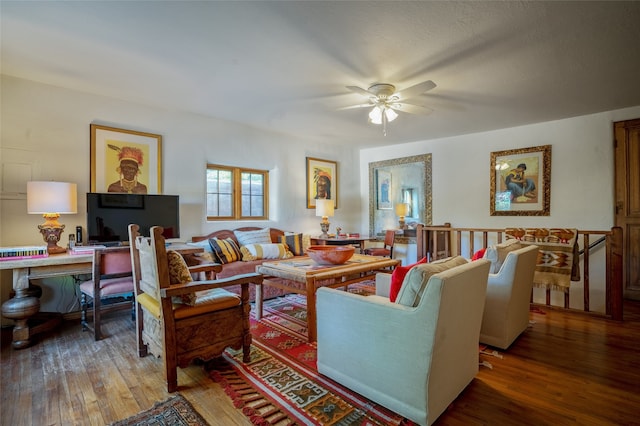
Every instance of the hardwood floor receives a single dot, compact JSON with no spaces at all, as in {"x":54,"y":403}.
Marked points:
{"x":565,"y":369}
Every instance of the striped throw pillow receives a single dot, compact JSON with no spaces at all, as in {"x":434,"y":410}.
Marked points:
{"x":294,"y":242}
{"x":259,"y":236}
{"x":226,"y":251}
{"x":265,"y":251}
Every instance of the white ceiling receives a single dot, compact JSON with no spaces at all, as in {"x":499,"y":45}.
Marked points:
{"x":284,"y":65}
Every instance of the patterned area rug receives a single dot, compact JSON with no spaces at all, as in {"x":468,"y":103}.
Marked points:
{"x":175,"y":411}
{"x":281,"y":385}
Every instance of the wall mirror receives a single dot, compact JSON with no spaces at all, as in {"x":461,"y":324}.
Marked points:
{"x":400,"y":180}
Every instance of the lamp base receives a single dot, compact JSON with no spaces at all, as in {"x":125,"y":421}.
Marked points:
{"x":51,"y":235}
{"x":324,"y":227}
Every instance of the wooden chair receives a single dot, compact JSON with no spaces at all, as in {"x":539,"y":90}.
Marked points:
{"x":112,"y":276}
{"x":180,"y":330}
{"x":387,"y":249}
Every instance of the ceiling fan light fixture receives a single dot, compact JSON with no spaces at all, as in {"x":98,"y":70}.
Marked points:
{"x":391,"y":114}
{"x":375,"y":116}
{"x":384,"y":100}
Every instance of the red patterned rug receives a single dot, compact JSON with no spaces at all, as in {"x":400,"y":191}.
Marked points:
{"x":281,"y":384}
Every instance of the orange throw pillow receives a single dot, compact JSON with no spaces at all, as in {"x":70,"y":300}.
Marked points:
{"x":397,"y":277}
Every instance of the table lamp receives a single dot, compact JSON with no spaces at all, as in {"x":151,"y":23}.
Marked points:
{"x":52,"y":199}
{"x":324,"y":208}
{"x":402,"y":209}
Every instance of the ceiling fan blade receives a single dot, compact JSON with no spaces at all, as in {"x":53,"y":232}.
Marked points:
{"x":360,"y":91}
{"x":412,"y":109}
{"x":415,"y":90}
{"x":417,"y":101}
{"x":356,"y":106}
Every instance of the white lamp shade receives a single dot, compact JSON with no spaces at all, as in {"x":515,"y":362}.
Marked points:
{"x":391,"y":114}
{"x":52,"y":197}
{"x":324,"y":208}
{"x":375,"y":116}
{"x":402,"y":209}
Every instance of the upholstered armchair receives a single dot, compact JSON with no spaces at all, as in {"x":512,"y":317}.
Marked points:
{"x":506,"y":310}
{"x":181,"y":320}
{"x":413,"y":356}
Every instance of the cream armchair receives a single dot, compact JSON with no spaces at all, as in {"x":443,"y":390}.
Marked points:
{"x":506,"y":310}
{"x":414,"y":360}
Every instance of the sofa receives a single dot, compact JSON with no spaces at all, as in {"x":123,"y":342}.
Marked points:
{"x":413,"y":356}
{"x":296,"y":244}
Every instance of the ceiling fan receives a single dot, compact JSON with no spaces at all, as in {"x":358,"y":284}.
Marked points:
{"x":385,"y":101}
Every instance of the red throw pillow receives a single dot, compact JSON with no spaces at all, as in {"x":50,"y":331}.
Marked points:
{"x":479,"y":254}
{"x":397,"y":277}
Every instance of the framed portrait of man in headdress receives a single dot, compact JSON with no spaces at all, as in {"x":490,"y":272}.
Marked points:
{"x":322,"y":181}
{"x":125,"y":161}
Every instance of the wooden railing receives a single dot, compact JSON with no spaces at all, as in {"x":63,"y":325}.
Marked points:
{"x":444,"y":240}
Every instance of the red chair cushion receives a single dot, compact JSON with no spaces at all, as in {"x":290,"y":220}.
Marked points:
{"x":379,"y":251}
{"x":109,"y":287}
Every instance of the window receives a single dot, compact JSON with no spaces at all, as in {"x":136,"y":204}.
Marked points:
{"x":235,"y":194}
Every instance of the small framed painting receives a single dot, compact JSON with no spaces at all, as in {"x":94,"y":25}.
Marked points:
{"x":125,"y":161}
{"x":322,"y":181}
{"x":383,"y":189}
{"x":520,"y":182}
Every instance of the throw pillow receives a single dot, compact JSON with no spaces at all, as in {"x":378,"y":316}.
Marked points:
{"x":259,"y":236}
{"x":479,"y":254}
{"x":418,"y":277}
{"x":226,"y":250}
{"x":204,"y":244}
{"x":294,"y":242}
{"x":179,"y":274}
{"x":498,"y":253}
{"x":397,"y":277}
{"x":265,"y":251}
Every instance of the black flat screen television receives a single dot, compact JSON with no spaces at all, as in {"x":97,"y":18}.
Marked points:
{"x":109,"y":215}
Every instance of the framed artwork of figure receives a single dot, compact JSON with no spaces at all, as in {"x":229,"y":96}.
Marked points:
{"x":125,"y":161}
{"x":322,"y":181}
{"x":520,"y":182}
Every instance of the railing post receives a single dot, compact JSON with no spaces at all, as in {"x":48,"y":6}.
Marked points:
{"x":585,"y":273}
{"x":614,"y":273}
{"x":420,"y":246}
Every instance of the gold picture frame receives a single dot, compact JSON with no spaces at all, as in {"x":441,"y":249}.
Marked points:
{"x":139,"y":152}
{"x":322,"y":181}
{"x":521,"y":182}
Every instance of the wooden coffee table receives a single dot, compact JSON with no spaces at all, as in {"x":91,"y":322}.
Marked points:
{"x":305,"y":271}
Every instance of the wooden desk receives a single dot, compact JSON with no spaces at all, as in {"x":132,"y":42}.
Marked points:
{"x":311,"y":275}
{"x":355,"y":241}
{"x":24,"y":306}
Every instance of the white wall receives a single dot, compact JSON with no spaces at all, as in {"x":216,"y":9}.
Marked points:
{"x":47,"y":129}
{"x":582,"y":180}
{"x":582,"y":174}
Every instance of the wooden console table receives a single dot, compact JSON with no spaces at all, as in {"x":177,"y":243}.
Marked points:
{"x":342,"y":241}
{"x":24,"y":307}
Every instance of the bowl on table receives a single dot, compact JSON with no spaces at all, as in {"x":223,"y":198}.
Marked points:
{"x":330,"y":255}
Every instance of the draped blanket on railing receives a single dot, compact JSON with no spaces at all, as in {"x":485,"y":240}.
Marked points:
{"x":558,"y":258}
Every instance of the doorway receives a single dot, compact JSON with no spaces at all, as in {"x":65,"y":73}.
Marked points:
{"x":627,"y":201}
